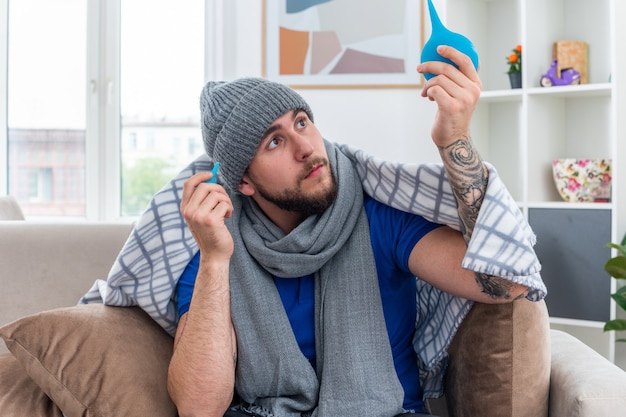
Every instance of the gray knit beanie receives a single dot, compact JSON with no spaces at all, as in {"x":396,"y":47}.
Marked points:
{"x":235,"y":115}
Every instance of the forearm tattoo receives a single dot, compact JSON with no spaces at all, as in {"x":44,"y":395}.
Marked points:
{"x":468,"y":178}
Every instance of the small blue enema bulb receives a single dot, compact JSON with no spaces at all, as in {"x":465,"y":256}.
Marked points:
{"x":440,"y":35}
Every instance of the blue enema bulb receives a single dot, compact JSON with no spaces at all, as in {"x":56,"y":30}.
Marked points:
{"x":440,"y":35}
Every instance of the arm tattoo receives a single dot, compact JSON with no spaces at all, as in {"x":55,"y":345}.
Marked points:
{"x":468,"y":178}
{"x":495,"y":287}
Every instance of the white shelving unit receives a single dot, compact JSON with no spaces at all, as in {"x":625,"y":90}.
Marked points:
{"x":522,"y":130}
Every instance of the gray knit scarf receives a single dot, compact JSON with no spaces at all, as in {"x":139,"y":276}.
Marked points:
{"x":356,"y":374}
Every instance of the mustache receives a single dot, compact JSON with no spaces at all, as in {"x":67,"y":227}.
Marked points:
{"x":312,"y":163}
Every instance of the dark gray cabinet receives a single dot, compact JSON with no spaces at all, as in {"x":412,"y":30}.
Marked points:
{"x":571,"y":245}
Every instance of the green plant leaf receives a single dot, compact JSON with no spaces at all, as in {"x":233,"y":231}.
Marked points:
{"x":617,"y":325}
{"x":620,"y":297}
{"x":620,"y":340}
{"x":621,"y":248}
{"x":616,"y":267}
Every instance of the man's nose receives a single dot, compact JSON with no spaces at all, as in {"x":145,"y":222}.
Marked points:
{"x":303,"y":147}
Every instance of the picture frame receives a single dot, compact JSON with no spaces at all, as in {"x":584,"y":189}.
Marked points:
{"x":343,"y":43}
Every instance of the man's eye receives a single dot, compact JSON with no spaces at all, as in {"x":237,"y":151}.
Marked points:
{"x":301,"y":122}
{"x":272,"y":143}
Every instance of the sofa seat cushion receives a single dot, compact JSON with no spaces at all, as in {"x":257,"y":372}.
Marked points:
{"x":94,"y":360}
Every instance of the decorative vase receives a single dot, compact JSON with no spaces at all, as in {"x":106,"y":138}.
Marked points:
{"x":516,"y":79}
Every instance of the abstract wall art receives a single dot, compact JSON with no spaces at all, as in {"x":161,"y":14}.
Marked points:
{"x":343,"y":43}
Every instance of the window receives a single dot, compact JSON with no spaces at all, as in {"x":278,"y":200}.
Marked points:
{"x":161,"y":77}
{"x":46,"y":101}
{"x":98,"y":93}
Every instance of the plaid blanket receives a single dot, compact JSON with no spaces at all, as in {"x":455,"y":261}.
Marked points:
{"x":160,"y":246}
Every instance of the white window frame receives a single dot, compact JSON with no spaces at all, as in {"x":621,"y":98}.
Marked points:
{"x":102,"y":176}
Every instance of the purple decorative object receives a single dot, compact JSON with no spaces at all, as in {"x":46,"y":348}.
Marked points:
{"x":568,"y":76}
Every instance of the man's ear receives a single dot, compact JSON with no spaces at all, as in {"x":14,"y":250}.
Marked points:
{"x":245,"y":186}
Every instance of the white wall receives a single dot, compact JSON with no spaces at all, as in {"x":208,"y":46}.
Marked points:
{"x":393,"y":124}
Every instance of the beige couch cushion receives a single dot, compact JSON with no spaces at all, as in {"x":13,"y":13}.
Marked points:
{"x":497,"y":368}
{"x":51,"y":265}
{"x":93,"y":360}
{"x":19,"y":395}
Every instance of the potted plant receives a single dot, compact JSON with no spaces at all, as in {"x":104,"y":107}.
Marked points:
{"x":616,"y":267}
{"x":514,"y":60}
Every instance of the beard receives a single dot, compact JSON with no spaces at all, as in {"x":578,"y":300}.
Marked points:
{"x":293,"y":199}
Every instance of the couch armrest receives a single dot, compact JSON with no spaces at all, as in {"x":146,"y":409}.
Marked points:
{"x":582,"y":382}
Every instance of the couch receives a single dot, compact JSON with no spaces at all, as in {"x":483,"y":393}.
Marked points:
{"x":10,"y":209}
{"x":112,"y":361}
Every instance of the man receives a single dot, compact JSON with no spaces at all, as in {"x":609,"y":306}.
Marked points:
{"x":301,"y":299}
